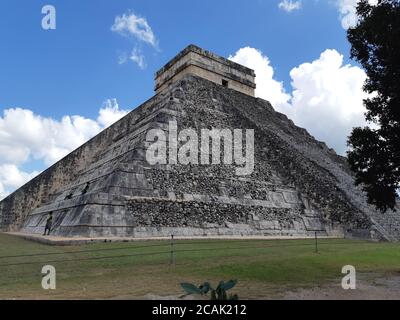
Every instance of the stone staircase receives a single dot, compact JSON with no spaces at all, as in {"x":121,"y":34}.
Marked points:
{"x":390,"y":222}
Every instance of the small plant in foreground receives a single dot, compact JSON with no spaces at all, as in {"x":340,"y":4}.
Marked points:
{"x":218,"y":293}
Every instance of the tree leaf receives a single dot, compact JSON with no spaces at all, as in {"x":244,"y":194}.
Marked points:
{"x":190,"y":288}
{"x":230,"y":284}
{"x":205,"y":288}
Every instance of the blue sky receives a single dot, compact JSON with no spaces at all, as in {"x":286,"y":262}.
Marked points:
{"x":76,"y":69}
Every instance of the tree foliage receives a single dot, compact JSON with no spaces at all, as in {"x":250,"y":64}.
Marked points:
{"x":374,"y":153}
{"x":220,"y":293}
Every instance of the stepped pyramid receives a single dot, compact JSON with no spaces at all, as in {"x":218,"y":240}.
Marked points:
{"x":107,"y":187}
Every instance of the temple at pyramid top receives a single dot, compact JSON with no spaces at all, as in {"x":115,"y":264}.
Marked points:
{"x":196,"y":61}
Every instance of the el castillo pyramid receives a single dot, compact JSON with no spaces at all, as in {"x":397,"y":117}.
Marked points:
{"x":107,"y":187}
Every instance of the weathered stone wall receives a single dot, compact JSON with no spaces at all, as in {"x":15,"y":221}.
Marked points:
{"x":299,"y":186}
{"x":15,"y":208}
{"x":191,"y":69}
{"x":196,"y":61}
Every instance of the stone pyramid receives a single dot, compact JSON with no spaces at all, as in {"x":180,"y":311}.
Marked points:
{"x":107,"y":187}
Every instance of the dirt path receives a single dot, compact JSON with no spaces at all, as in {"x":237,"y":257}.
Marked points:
{"x":369,"y":287}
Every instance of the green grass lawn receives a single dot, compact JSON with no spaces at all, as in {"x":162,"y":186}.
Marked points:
{"x":264,"y":268}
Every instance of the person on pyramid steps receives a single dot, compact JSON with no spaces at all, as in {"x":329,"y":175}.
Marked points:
{"x":49,"y":222}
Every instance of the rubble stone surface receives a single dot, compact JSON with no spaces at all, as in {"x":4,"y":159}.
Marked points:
{"x":107,"y":188}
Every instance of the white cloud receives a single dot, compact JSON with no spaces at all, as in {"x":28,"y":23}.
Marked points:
{"x":137,"y":27}
{"x":110,"y":113}
{"x":137,"y":57}
{"x":133,"y":25}
{"x":289,"y":5}
{"x":348,"y":13}
{"x":267,"y":87}
{"x":25,"y":136}
{"x":11,"y":176}
{"x":3,"y":193}
{"x":327,"y":96}
{"x":122,"y":58}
